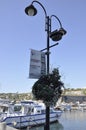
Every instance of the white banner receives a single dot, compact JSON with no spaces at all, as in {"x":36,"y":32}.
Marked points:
{"x":37,"y":64}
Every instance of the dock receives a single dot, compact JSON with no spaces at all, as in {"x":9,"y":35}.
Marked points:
{"x":3,"y":126}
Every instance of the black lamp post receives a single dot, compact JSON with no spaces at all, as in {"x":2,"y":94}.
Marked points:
{"x":54,"y":35}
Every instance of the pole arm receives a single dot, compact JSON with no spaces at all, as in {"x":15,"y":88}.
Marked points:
{"x":46,"y":17}
{"x":41,"y":6}
{"x":57,"y":20}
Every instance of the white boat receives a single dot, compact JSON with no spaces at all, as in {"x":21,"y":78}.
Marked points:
{"x":26,"y":114}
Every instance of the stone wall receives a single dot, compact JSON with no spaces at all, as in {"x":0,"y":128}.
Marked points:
{"x":74,"y":99}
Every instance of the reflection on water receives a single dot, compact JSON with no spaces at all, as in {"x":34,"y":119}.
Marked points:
{"x":74,"y":120}
{"x":54,"y":126}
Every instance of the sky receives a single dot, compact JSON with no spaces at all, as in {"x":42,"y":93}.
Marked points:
{"x":19,"y":33}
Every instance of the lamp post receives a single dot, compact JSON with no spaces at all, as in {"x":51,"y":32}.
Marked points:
{"x":54,"y":35}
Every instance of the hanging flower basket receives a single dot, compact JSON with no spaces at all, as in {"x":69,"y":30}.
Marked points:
{"x":48,"y":88}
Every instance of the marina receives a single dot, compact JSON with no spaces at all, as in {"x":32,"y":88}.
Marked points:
{"x":26,"y":114}
{"x":70,"y":120}
{"x":30,"y":115}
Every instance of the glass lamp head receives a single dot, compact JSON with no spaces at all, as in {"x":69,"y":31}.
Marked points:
{"x":62,"y":31}
{"x":57,"y":34}
{"x":30,"y":10}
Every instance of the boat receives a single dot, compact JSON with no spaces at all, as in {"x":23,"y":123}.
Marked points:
{"x":26,"y":114}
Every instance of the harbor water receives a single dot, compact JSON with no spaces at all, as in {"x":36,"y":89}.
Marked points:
{"x":70,"y":120}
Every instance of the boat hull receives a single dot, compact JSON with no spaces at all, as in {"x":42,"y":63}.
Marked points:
{"x":30,"y":120}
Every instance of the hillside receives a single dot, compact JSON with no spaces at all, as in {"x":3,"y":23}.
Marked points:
{"x":28,"y":96}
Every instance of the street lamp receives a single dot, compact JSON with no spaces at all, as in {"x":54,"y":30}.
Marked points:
{"x":55,"y":35}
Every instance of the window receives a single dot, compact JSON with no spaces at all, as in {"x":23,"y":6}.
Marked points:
{"x":42,"y":111}
{"x":17,"y":108}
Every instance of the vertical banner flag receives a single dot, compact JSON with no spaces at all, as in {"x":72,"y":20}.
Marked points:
{"x":37,"y":64}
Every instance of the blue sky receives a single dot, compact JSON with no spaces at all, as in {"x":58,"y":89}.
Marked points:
{"x":19,"y":33}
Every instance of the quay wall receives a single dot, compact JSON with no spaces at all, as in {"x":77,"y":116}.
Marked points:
{"x":73,"y":99}
{"x":3,"y":126}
